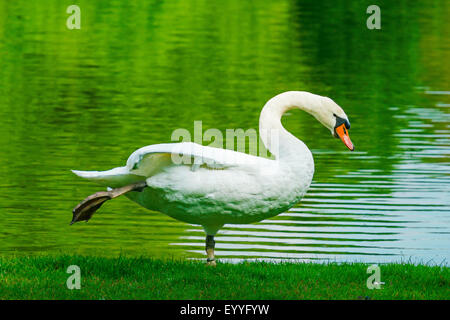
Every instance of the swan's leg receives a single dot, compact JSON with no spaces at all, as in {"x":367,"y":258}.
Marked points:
{"x":210,"y":243}
{"x":86,"y":208}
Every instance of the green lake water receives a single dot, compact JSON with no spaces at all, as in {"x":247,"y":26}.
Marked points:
{"x":137,"y":70}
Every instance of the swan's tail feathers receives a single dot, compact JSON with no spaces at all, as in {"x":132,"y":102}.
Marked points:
{"x":116,"y":177}
{"x":86,"y":208}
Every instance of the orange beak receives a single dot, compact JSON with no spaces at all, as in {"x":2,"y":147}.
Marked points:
{"x":342,"y":132}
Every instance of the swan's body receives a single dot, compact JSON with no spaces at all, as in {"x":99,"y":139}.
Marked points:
{"x":212,"y":187}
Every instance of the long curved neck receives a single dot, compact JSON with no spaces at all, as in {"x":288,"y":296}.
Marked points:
{"x":275,"y":137}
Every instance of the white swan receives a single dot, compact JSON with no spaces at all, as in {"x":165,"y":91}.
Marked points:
{"x":212,"y":187}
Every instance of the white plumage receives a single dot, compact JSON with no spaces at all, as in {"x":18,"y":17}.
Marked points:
{"x":212,"y":187}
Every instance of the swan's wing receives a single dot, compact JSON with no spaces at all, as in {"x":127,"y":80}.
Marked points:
{"x":114,"y":178}
{"x":149,"y":160}
{"x":144,"y":160}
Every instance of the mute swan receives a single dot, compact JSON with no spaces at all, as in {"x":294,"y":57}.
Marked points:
{"x":215,"y":186}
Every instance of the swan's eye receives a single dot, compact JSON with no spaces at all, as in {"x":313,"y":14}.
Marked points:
{"x":340,"y":121}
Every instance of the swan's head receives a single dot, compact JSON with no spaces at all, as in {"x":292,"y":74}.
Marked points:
{"x":325,"y":110}
{"x":334,"y":118}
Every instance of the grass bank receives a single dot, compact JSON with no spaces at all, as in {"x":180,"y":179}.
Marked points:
{"x":141,"y":278}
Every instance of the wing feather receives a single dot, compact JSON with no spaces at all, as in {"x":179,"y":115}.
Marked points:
{"x":147,"y":161}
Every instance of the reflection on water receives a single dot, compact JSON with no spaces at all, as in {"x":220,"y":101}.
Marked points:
{"x":86,"y":99}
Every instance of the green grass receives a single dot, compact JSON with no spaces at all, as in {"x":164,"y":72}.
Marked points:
{"x":141,"y":278}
